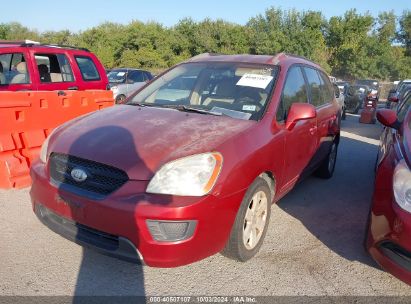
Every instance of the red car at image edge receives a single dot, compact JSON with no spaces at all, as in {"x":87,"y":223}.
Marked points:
{"x":389,"y":224}
{"x":190,"y":165}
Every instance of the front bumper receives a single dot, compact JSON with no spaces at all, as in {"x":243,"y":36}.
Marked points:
{"x":389,"y":235}
{"x":105,"y":243}
{"x":123,"y":215}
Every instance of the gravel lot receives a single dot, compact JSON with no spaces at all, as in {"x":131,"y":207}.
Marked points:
{"x":313,"y":246}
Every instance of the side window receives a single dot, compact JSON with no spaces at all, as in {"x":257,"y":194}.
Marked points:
{"x":13,"y":69}
{"x":315,"y":86}
{"x":54,"y":68}
{"x":148,"y":76}
{"x":404,"y":109}
{"x":328,"y":90}
{"x":295,"y":90}
{"x":87,"y":68}
{"x":135,"y":76}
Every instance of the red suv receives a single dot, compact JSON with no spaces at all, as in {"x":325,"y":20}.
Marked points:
{"x":190,"y":165}
{"x":389,"y":225}
{"x":28,"y":65}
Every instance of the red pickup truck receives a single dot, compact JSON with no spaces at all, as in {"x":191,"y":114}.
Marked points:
{"x":28,"y":65}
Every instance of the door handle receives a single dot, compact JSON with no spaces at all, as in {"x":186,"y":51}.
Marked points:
{"x":72,"y":88}
{"x":313,"y":130}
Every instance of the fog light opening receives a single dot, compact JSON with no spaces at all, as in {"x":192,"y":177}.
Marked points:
{"x":171,"y":231}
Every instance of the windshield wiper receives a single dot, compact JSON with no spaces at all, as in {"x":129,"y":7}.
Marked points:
{"x":142,"y":104}
{"x":184,"y":108}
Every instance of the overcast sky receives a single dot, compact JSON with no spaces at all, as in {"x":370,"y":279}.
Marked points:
{"x":76,"y":15}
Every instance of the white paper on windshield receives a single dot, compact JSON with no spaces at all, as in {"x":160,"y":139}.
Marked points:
{"x":249,"y":108}
{"x":121,"y":73}
{"x":255,"y":81}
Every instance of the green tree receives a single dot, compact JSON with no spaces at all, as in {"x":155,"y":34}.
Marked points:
{"x":404,"y":34}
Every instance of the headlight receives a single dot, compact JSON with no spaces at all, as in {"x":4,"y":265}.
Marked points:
{"x":43,"y":152}
{"x":402,"y":186}
{"x":191,"y":176}
{"x":114,"y":89}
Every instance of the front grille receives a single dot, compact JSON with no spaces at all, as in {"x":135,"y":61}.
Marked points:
{"x":101,"y":179}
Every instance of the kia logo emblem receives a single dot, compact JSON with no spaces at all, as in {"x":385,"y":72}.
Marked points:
{"x":79,"y":175}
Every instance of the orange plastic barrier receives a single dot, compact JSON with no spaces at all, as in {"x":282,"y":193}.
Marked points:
{"x":26,"y":118}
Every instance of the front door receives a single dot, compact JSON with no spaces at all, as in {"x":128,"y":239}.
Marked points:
{"x":301,"y":142}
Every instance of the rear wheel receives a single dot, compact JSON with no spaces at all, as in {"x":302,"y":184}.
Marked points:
{"x":251,"y":223}
{"x":326,"y":169}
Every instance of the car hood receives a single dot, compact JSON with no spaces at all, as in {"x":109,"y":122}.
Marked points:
{"x":139,"y":140}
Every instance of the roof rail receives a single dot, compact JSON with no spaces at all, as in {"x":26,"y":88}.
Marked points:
{"x":65,"y":46}
{"x":21,"y":42}
{"x":30,"y":43}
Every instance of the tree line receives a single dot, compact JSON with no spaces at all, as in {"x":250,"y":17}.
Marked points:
{"x":350,"y":46}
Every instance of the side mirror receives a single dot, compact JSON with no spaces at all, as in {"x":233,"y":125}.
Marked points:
{"x":297,"y":112}
{"x":388,"y":118}
{"x":393,"y":98}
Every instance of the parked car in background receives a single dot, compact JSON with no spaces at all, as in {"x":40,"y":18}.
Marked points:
{"x":332,"y":79}
{"x":125,"y":81}
{"x":340,"y":99}
{"x":29,"y":65}
{"x":356,"y":97}
{"x":396,"y":94}
{"x":388,"y":237}
{"x":374,"y":85}
{"x":343,"y":86}
{"x":174,"y":180}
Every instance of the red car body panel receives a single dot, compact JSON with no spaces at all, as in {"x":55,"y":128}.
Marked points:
{"x":156,"y":136}
{"x":35,"y":84}
{"x":390,"y":225}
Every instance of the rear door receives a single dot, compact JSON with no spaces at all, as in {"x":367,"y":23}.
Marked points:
{"x":53,"y":70}
{"x":322,"y":97}
{"x":300,"y":142}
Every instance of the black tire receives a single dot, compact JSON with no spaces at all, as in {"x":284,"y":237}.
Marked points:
{"x":120,"y":98}
{"x":327,"y":167}
{"x":344,"y":114}
{"x":235,"y":247}
{"x":357,"y":109}
{"x":367,"y":230}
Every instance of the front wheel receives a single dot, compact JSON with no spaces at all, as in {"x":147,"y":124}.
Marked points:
{"x":251,"y":223}
{"x":326,"y":169}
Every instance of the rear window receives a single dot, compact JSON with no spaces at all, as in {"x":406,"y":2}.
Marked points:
{"x":315,"y":85}
{"x":87,"y":68}
{"x":54,"y":68}
{"x":13,"y":69}
{"x":327,"y":89}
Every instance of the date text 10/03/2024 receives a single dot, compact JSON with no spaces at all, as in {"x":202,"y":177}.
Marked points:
{"x":202,"y":299}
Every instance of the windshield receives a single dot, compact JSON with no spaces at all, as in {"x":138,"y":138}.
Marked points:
{"x":237,"y":90}
{"x":117,"y":76}
{"x":371,"y":83}
{"x":358,"y":89}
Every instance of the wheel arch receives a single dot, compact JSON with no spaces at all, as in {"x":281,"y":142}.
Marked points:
{"x":269,"y":177}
